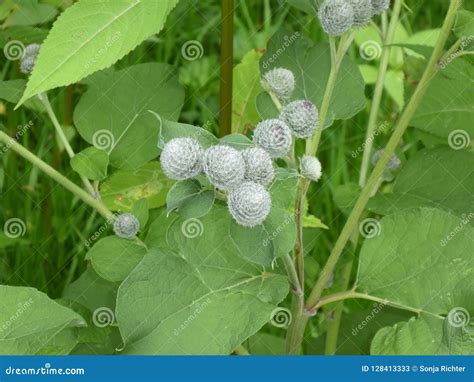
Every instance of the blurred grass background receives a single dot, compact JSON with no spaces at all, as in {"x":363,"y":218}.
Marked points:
{"x":51,"y":253}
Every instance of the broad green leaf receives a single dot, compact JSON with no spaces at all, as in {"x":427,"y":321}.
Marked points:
{"x":30,"y":12}
{"x":91,"y":163}
{"x":141,"y":211}
{"x":266,"y":344}
{"x":156,"y":301}
{"x":113,"y":258}
{"x":156,"y":236}
{"x":31,"y":321}
{"x":263,"y":244}
{"x":237,"y":141}
{"x":448,"y":106}
{"x":311,"y":221}
{"x":26,"y":34}
{"x":425,"y":335}
{"x":464,"y":24}
{"x":311,"y":65}
{"x":283,"y":192}
{"x":441,"y":178}
{"x":121,"y":190}
{"x":172,"y":130}
{"x":426,"y":37}
{"x":189,"y":199}
{"x":90,"y":36}
{"x":421,"y":260}
{"x":266,"y":107}
{"x":11,"y":91}
{"x":246,"y":88}
{"x":106,"y":117}
{"x":91,"y":291}
{"x":369,"y":73}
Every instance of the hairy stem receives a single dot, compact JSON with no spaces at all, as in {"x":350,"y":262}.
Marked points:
{"x":430,"y":72}
{"x":62,"y":180}
{"x":377,"y":96}
{"x":43,"y":97}
{"x":227,"y":50}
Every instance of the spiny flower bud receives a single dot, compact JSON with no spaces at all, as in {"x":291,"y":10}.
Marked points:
{"x":126,"y":226}
{"x":224,"y":166}
{"x":393,"y":163}
{"x":249,"y":204}
{"x":379,"y":6}
{"x":362,"y":12}
{"x":310,"y":168}
{"x":274,"y":136}
{"x":302,"y":118}
{"x":336,"y":16}
{"x":181,"y":158}
{"x":258,"y":166}
{"x":280,"y":82}
{"x":28,"y":60}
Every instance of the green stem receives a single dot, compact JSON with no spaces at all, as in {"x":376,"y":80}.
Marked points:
{"x":299,"y":213}
{"x":62,"y":180}
{"x":292,"y":275}
{"x":227,"y":51}
{"x":377,"y":96}
{"x":295,"y":334}
{"x":430,"y":72}
{"x":43,"y":97}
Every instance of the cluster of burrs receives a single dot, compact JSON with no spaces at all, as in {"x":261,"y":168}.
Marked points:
{"x":28,"y":59}
{"x":244,"y":176}
{"x":338,"y":16}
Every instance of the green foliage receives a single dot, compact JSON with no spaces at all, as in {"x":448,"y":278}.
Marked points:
{"x":189,"y":199}
{"x":291,"y":50}
{"x":91,"y":36}
{"x":33,"y":324}
{"x":107,"y":118}
{"x":92,"y":163}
